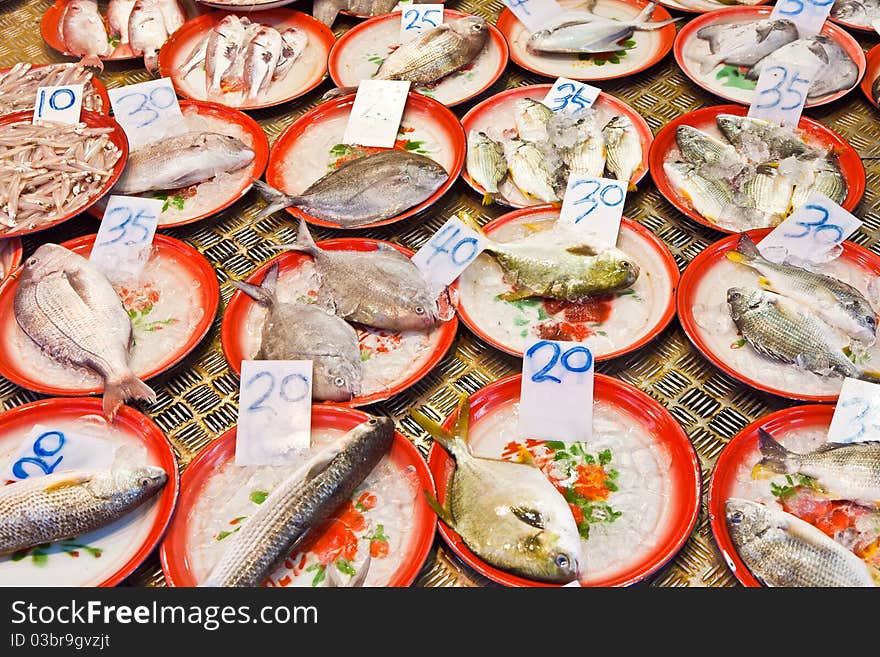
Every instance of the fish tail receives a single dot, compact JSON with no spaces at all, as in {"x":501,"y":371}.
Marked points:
{"x":326,"y":11}
{"x":488,"y":199}
{"x":446,"y":439}
{"x":264,"y":293}
{"x":746,"y":250}
{"x":116,"y":392}
{"x":91,"y":61}
{"x":339,"y":91}
{"x":442,"y":512}
{"x":872,"y":376}
{"x":650,"y":27}
{"x":277,"y":200}
{"x":151,"y":61}
{"x":646,"y":13}
{"x":711,"y":62}
{"x":776,"y":457}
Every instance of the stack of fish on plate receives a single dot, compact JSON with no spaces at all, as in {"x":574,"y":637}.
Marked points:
{"x":18,"y":85}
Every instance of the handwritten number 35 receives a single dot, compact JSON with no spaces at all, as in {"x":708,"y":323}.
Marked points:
{"x":575,"y":359}
{"x":776,"y":93}
{"x":796,"y":7}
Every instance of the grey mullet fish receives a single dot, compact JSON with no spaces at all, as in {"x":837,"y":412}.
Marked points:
{"x":370,"y":188}
{"x":71,"y":311}
{"x":71,"y":503}
{"x":300,"y":503}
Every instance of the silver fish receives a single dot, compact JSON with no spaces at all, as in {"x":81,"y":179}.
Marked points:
{"x":827,"y":179}
{"x":587,"y":156}
{"x":769,"y":192}
{"x":83,"y":31}
{"x":623,"y":149}
{"x":195,"y":58}
{"x":224,"y":44}
{"x":485,"y":163}
{"x":71,"y":503}
{"x":118,"y":12}
{"x":697,"y":147}
{"x":146,"y":31}
{"x":782,"y":550}
{"x":781,"y":142}
{"x":531,"y":119}
{"x":260,"y":61}
{"x":710,"y":197}
{"x":370,"y":188}
{"x":172,"y":15}
{"x":835,"y":69}
{"x":858,"y":12}
{"x":528,"y":170}
{"x":71,"y":311}
{"x":744,"y":44}
{"x":303,"y":331}
{"x":293,"y":44}
{"x":311,"y":494}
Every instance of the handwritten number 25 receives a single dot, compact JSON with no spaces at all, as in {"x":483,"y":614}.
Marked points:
{"x":567,"y":359}
{"x":418,"y":20}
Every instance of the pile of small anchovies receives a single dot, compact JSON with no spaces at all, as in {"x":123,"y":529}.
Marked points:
{"x":18,"y":86}
{"x":48,"y":170}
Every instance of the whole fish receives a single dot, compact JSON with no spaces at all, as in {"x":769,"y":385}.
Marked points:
{"x":781,"y":142}
{"x":835,"y":69}
{"x":233,"y":79}
{"x":261,"y":58}
{"x":827,"y":179}
{"x":146,"y":31}
{"x":586,"y":32}
{"x":858,"y":12}
{"x":293,"y":44}
{"x":196,"y":57}
{"x":586,"y":157}
{"x":303,"y":331}
{"x":310,"y":495}
{"x":181,"y":161}
{"x":224,"y":44}
{"x":83,"y":31}
{"x":485,"y":163}
{"x":623,"y":149}
{"x":782,"y":550}
{"x":367,"y":189}
{"x":835,"y":302}
{"x":327,"y":10}
{"x":508,"y":513}
{"x":849,"y":471}
{"x":71,"y":311}
{"x":744,"y":44}
{"x":172,"y":15}
{"x":551,"y":264}
{"x":381,"y":288}
{"x":528,"y":169}
{"x":697,"y":147}
{"x":118,"y":12}
{"x":71,"y":503}
{"x":783,"y":330}
{"x":710,"y":197}
{"x":531,"y":119}
{"x":769,"y":192}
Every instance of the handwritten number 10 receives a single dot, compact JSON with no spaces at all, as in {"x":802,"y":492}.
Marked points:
{"x":41,"y":451}
{"x":284,"y":390}
{"x":59,"y":100}
{"x":568,"y":359}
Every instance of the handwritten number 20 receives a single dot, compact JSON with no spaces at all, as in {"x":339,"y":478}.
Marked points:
{"x":41,"y":451}
{"x":287,"y":393}
{"x":568,"y":360}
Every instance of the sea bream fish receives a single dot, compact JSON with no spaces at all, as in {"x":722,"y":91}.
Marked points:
{"x":70,"y":503}
{"x":485,"y":163}
{"x":371,"y":188}
{"x":783,"y":550}
{"x":71,"y":311}
{"x":305,"y":331}
{"x":224,"y":44}
{"x":744,"y":44}
{"x":623,"y":149}
{"x":326,"y":11}
{"x":586,"y":32}
{"x":181,"y":161}
{"x":508,"y":513}
{"x":146,"y":31}
{"x":528,"y":170}
{"x":310,"y":495}
{"x":83,"y":32}
{"x":711,"y":197}
{"x":835,"y":69}
{"x":531,"y":118}
{"x":382,"y":288}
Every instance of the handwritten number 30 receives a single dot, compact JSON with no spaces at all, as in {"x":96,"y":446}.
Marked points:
{"x":567,"y":359}
{"x":816,"y":227}
{"x":160,"y":98}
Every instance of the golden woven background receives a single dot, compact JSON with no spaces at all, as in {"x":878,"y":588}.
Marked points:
{"x":197,"y":400}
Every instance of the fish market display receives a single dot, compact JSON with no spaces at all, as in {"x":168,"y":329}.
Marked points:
{"x":857,"y":12}
{"x":326,"y":11}
{"x":751,"y":47}
{"x":752,"y":174}
{"x":303,"y":331}
{"x":372,"y":188}
{"x":67,"y":504}
{"x":244,"y":57}
{"x":508,"y":513}
{"x":586,"y":32}
{"x":302,"y":501}
{"x":18,"y":85}
{"x":60,"y":301}
{"x":182,"y":160}
{"x":51,"y":170}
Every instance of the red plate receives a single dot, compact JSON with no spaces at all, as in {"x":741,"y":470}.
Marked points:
{"x":10,"y":256}
{"x":687,"y":39}
{"x":684,"y":472}
{"x":91,"y":119}
{"x":714,"y":255}
{"x":677,"y":6}
{"x":306,"y":73}
{"x":98,"y":87}
{"x":327,"y":122}
{"x":655,"y":43}
{"x":175,"y":553}
{"x":233,"y":333}
{"x":871,"y":74}
{"x":187,"y":258}
{"x":497,"y":112}
{"x":18,"y":421}
{"x":850,"y":163}
{"x":736,"y":453}
{"x":469,"y":309}
{"x":50,"y":28}
{"x":259,"y":144}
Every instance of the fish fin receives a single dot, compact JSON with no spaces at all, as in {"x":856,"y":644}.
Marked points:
{"x":118,"y":391}
{"x":434,"y":429}
{"x":870,"y":375}
{"x":658,"y":25}
{"x":151,"y":61}
{"x":524,"y":456}
{"x":339,"y":91}
{"x":359,"y":579}
{"x":488,"y":199}
{"x":517,"y":295}
{"x":775,"y":455}
{"x":535,"y":228}
{"x":736,"y":256}
{"x":264,"y":293}
{"x":631,"y":187}
{"x":74,"y":479}
{"x":582,"y":250}
{"x":711,"y":62}
{"x":763,"y":31}
{"x":277,"y":200}
{"x":746,"y":246}
{"x":91,"y":61}
{"x":531,"y":517}
{"x":765,"y":283}
{"x":326,"y":11}
{"x":646,"y":13}
{"x":463,"y":418}
{"x":442,"y":512}
{"x":470,"y":222}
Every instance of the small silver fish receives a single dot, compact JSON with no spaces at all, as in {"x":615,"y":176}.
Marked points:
{"x":293,"y":44}
{"x":224,"y":44}
{"x":528,"y":170}
{"x":260,"y":61}
{"x":623,"y":149}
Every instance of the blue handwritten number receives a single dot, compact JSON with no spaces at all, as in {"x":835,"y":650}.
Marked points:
{"x":777,"y":91}
{"x":40,"y":452}
{"x":458,"y":257}
{"x":574,"y":97}
{"x":283,"y":391}
{"x":414,"y":14}
{"x":610,"y":195}
{"x":816,"y":227}
{"x":427,"y":20}
{"x":130,"y":222}
{"x":419,"y":20}
{"x":258,"y":404}
{"x":304,"y":382}
{"x":54,"y":100}
{"x":559,"y":357}
{"x":522,"y":4}
{"x":159,"y":98}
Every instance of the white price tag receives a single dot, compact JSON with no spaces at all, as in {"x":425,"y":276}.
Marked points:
{"x":807,"y":15}
{"x":573,"y":583}
{"x":556,"y":397}
{"x":781,"y":92}
{"x":448,"y":253}
{"x":147,"y":111}
{"x":415,"y":19}
{"x":61,"y":104}
{"x":571,"y":96}
{"x":594,"y":206}
{"x":122,"y":246}
{"x":46,"y":450}
{"x":810,"y":232}
{"x":376,"y":113}
{"x":534,"y":14}
{"x":274,"y":411}
{"x":857,"y":414}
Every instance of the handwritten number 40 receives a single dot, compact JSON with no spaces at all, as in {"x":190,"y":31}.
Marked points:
{"x":575,"y":359}
{"x":461,"y":251}
{"x":418,"y":20}
{"x":293,"y":388}
{"x":43,"y":448}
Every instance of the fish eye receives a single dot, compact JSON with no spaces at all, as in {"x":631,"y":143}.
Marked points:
{"x":339,"y":382}
{"x":31,"y":262}
{"x":373,"y":421}
{"x":420,"y":310}
{"x":477,"y":27}
{"x":561,"y":561}
{"x":737,"y":516}
{"x":145,"y":482}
